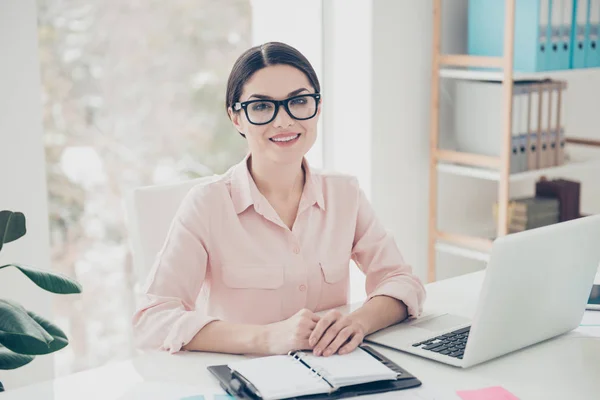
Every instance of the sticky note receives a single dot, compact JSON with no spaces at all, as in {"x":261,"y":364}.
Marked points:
{"x":491,"y":393}
{"x":197,"y":397}
{"x":223,"y":397}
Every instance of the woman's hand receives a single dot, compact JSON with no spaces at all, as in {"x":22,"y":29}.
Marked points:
{"x":292,"y":333}
{"x":336,"y":333}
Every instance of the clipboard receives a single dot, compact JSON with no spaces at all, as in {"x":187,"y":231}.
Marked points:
{"x":237,"y":386}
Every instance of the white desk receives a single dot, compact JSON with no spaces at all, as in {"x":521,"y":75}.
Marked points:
{"x":567,"y":367}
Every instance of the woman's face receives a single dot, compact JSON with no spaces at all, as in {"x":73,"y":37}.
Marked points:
{"x":285,"y":139}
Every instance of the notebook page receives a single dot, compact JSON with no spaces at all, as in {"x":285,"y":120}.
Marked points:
{"x":350,"y":369}
{"x":278,"y":377}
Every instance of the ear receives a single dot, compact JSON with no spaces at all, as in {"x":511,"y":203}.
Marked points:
{"x":236,"y":118}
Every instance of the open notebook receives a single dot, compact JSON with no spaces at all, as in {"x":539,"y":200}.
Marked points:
{"x":301,"y":374}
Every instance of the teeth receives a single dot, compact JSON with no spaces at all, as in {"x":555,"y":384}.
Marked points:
{"x":287,"y":139}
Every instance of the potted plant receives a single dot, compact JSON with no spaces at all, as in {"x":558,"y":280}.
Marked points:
{"x":24,"y":334}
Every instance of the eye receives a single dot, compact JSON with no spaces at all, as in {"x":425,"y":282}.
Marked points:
{"x":300,"y":101}
{"x":261,"y":106}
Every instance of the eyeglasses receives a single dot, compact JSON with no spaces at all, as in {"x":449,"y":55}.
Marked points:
{"x":261,"y":112}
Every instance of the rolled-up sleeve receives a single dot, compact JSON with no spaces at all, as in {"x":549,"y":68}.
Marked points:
{"x":377,"y":255}
{"x":166,"y":317}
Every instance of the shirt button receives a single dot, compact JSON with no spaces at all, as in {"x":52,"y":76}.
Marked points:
{"x":296,"y":250}
{"x":302,"y":288}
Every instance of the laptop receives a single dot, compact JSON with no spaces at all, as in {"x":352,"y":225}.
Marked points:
{"x":536,"y":287}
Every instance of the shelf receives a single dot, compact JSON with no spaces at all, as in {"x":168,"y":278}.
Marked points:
{"x":494,"y":175}
{"x":477,"y":160}
{"x":477,"y":243}
{"x":462,"y":251}
{"x":496,"y":76}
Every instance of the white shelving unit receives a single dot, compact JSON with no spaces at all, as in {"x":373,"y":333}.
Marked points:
{"x":494,"y":175}
{"x":477,"y":244}
{"x":498,"y":76}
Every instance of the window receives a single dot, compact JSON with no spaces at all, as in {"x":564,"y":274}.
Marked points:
{"x":133,"y":95}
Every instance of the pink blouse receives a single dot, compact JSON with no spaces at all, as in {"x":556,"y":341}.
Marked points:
{"x":228,"y":256}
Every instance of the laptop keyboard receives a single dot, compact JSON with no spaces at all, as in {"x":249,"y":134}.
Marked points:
{"x":451,"y":344}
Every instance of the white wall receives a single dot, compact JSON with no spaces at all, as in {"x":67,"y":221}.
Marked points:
{"x":347,"y":112}
{"x":299,"y":25}
{"x":22,"y":170}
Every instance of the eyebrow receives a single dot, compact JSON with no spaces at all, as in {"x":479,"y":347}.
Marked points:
{"x":265,"y":97}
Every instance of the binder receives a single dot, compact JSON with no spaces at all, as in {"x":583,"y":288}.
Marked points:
{"x":523,"y":120}
{"x":239,"y":387}
{"x":544,"y":124}
{"x":560,"y":160}
{"x":556,"y":128}
{"x":553,"y":121}
{"x":592,"y":54}
{"x":485,"y":32}
{"x":580,"y":33}
{"x":515,"y":166}
{"x":532,"y":127}
{"x":553,"y":55}
{"x":566,"y":34}
{"x":544,"y":62}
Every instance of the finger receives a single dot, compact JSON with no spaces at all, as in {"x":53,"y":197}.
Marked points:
{"x":322,"y":326}
{"x":308,"y":328}
{"x":329,"y":336}
{"x":352,"y":344}
{"x":339,"y":340}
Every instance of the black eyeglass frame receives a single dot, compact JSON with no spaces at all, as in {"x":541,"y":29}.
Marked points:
{"x":278,"y":103}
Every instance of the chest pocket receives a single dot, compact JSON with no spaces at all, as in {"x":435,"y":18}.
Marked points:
{"x":253,"y":276}
{"x":334,"y":272}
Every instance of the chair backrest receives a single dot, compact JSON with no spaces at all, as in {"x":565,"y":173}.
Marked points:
{"x":149,"y":212}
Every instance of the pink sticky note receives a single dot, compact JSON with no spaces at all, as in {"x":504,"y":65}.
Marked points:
{"x":491,"y":393}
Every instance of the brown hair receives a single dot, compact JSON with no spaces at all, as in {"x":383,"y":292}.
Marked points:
{"x":259,"y":57}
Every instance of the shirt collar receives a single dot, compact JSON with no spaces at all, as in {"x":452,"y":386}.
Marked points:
{"x":244,"y":192}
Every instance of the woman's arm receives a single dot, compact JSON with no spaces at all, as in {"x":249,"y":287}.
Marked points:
{"x":227,"y":337}
{"x":276,"y":338}
{"x":394,"y":292}
{"x":380,"y":312}
{"x":166,"y":317}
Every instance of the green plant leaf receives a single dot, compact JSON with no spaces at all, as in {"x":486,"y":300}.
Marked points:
{"x":18,"y":331}
{"x":12,"y":360}
{"x":12,"y":226}
{"x":59,"y":341}
{"x":50,"y":281}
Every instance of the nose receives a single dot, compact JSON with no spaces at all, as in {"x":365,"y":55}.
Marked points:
{"x":282,"y":119}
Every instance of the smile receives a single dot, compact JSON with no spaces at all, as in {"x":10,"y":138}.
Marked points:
{"x":285,"y":139}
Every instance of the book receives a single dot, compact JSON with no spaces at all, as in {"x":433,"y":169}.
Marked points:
{"x":566,"y":192}
{"x":529,"y":207}
{"x":299,"y":374}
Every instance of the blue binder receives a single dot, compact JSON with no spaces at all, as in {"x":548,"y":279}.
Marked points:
{"x":554,"y":52}
{"x":592,"y":54}
{"x":566,"y":34}
{"x":580,"y":33}
{"x":532,"y":32}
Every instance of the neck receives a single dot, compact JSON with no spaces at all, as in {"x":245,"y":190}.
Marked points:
{"x":281,"y":182}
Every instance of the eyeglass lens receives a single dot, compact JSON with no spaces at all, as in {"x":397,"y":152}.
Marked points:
{"x":301,"y":107}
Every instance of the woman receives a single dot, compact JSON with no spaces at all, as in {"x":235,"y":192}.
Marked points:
{"x":253,"y":254}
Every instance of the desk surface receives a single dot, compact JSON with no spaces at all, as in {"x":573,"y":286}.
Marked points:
{"x":562,"y":368}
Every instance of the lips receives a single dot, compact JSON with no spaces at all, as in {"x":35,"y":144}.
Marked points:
{"x":284,"y":138}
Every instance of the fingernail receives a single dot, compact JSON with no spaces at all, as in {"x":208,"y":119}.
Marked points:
{"x":317,"y":352}
{"x":327,"y":353}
